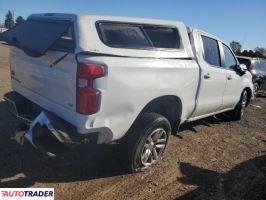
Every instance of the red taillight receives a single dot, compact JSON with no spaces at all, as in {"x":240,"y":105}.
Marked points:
{"x":88,"y":98}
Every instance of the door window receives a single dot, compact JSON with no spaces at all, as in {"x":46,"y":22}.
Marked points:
{"x":229,"y":59}
{"x":211,"y":51}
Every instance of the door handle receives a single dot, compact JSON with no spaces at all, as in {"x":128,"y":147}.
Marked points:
{"x":229,"y":77}
{"x":207,"y":76}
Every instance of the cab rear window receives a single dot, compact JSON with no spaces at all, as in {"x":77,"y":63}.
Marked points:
{"x":121,"y":35}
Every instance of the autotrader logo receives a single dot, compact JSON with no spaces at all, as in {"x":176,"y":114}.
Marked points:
{"x":26,"y":193}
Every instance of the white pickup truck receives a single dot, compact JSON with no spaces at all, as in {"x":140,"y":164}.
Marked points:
{"x":77,"y":77}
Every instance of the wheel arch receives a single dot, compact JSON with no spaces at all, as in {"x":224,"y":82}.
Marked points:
{"x":169,"y":106}
{"x":257,"y":80}
{"x":249,"y":92}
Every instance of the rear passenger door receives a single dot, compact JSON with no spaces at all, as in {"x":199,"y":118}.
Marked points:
{"x":213,"y":76}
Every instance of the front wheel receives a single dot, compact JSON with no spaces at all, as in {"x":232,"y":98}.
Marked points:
{"x":238,"y":112}
{"x":256,"y":88}
{"x":144,"y":144}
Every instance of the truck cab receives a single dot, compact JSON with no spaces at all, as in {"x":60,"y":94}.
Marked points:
{"x":221,"y":83}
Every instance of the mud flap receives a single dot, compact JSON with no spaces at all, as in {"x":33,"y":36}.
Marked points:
{"x":44,"y":136}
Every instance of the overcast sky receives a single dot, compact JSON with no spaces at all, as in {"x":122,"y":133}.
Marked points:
{"x":243,"y":21}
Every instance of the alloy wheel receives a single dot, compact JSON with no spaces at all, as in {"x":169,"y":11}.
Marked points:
{"x":153,"y":147}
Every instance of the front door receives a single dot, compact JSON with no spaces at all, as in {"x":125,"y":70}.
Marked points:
{"x":233,"y":80}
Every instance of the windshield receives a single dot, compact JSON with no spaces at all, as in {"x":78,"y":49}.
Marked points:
{"x":35,"y":37}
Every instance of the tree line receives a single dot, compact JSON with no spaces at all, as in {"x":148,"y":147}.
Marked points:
{"x":258,"y":52}
{"x":10,"y":21}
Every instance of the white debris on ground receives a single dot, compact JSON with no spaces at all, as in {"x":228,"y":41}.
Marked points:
{"x":256,"y":106}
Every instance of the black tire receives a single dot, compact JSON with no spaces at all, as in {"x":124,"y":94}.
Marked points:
{"x":256,"y":88}
{"x":140,"y":142}
{"x":238,"y":112}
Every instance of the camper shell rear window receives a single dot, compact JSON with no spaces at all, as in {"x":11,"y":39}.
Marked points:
{"x":138,"y":36}
{"x":66,"y":42}
{"x":37,"y":36}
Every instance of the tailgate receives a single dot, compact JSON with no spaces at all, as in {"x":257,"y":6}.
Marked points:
{"x":56,"y":84}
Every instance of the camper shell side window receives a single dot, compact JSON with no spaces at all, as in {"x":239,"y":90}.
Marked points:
{"x":138,"y":36}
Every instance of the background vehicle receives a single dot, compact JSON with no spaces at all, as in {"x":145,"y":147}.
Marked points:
{"x":119,"y":79}
{"x":257,"y":67}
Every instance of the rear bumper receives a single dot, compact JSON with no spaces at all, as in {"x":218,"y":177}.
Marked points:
{"x":46,"y":131}
{"x":44,"y":136}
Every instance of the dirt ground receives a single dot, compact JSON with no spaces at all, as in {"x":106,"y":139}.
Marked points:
{"x":212,"y":159}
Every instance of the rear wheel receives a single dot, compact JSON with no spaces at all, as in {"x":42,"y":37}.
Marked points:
{"x":144,"y":144}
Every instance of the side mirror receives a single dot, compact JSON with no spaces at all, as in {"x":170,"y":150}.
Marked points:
{"x":241,"y":69}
